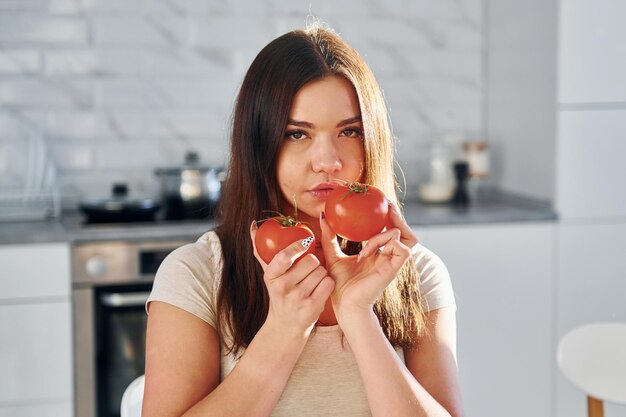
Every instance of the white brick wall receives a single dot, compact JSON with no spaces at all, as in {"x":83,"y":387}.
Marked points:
{"x":118,"y":87}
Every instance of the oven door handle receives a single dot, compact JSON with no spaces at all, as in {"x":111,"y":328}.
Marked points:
{"x":127,"y":299}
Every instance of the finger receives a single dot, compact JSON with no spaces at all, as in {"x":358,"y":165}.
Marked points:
{"x":253,"y":230}
{"x":286,"y":258}
{"x":396,"y":252}
{"x":323,"y":290}
{"x":379,"y":241}
{"x":396,"y":219}
{"x":311,"y":281}
{"x":330,"y":246}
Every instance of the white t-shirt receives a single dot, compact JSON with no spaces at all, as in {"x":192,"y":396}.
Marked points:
{"x":326,"y":379}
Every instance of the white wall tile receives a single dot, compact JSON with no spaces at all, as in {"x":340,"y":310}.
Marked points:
{"x":19,"y":61}
{"x":72,"y":156}
{"x":139,"y":30}
{"x":465,"y":10}
{"x":135,"y":92}
{"x":430,"y":90}
{"x":418,"y":61}
{"x":590,"y":168}
{"x":79,"y":62}
{"x":45,"y":93}
{"x":233,"y":31}
{"x":191,"y":93}
{"x":247,"y":8}
{"x":196,"y":123}
{"x":95,"y":62}
{"x":113,"y":6}
{"x":139,"y":124}
{"x":18,"y":124}
{"x":185,"y":7}
{"x":21,"y":5}
{"x":116,"y":154}
{"x":65,"y":7}
{"x":76,"y":125}
{"x":209,"y":63}
{"x":29,"y":28}
{"x":592,"y":53}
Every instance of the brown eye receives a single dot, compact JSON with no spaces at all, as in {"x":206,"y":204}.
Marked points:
{"x":295,"y":135}
{"x":352,"y":133}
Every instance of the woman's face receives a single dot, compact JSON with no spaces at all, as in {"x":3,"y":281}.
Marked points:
{"x":323,"y":142}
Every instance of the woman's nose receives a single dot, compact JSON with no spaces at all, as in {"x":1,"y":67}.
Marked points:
{"x":325,"y":156}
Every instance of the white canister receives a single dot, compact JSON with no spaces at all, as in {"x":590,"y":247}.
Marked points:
{"x":477,"y":156}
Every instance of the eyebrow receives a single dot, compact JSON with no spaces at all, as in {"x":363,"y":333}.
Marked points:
{"x":309,"y":125}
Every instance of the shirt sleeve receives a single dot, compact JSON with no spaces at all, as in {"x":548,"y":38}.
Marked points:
{"x":187,"y":279}
{"x":435,"y":284}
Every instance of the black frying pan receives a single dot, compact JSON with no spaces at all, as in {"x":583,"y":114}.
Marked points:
{"x":119,"y":208}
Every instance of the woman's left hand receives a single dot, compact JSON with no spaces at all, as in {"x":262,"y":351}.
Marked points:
{"x":359,"y":280}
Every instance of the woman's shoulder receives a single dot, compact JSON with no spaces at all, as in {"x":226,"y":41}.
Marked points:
{"x":197,"y":263}
{"x":426,"y":260}
{"x":205,"y":252}
{"x":435,"y":283}
{"x":189,"y":276}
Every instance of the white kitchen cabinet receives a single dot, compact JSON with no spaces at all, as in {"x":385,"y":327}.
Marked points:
{"x":38,"y":410}
{"x":37,"y":270}
{"x":503,"y":277}
{"x":592,"y":51}
{"x":36,"y":374}
{"x":592,"y":287}
{"x":590,"y":168}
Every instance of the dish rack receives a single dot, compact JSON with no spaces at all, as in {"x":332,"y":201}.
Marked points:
{"x":28,"y":185}
{"x":19,"y":205}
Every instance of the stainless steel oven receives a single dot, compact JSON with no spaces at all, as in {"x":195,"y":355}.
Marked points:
{"x":111,"y":283}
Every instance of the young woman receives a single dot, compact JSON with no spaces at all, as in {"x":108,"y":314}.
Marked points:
{"x":354,"y":330}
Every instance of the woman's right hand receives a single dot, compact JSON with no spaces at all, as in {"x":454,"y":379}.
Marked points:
{"x":297,"y":291}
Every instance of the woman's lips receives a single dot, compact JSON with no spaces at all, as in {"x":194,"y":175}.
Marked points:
{"x":321,"y":193}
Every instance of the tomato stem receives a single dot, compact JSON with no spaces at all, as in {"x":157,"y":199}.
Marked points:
{"x":286,"y":221}
{"x":355,"y":187}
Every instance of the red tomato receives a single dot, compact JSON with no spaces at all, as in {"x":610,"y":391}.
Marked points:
{"x":356,"y":211}
{"x":276,"y":233}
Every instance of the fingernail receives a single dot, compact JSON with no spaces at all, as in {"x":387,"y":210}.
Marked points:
{"x":307,"y":242}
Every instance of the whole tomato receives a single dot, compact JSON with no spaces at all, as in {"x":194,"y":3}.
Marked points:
{"x":276,"y":233}
{"x":356,"y":211}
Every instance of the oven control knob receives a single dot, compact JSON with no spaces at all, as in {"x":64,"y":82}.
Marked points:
{"x":96,"y":266}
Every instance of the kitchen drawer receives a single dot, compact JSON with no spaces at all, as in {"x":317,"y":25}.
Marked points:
{"x":35,"y":353}
{"x":54,"y":409}
{"x":590,"y":168}
{"x":34,"y":270}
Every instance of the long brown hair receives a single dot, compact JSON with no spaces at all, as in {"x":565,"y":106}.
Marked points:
{"x":259,"y":119}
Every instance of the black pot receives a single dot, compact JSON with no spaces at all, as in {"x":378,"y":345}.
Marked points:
{"x":190,"y":191}
{"x":119,"y":208}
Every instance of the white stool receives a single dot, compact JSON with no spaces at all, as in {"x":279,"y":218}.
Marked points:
{"x":593,"y":358}
{"x":133,"y":398}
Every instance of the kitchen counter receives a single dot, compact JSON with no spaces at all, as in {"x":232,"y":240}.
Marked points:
{"x":493,"y":208}
{"x":497,"y":208}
